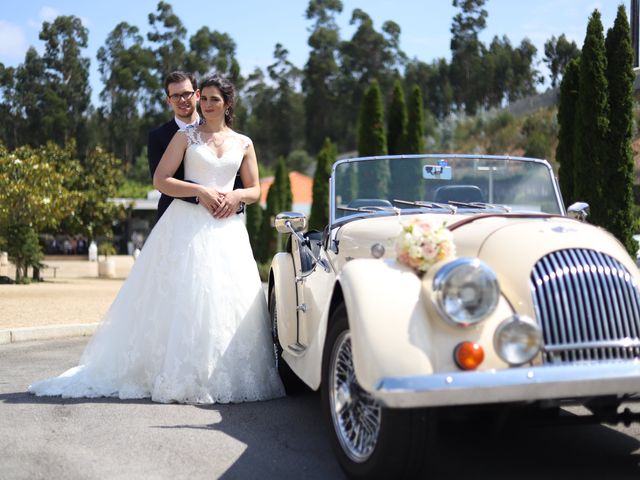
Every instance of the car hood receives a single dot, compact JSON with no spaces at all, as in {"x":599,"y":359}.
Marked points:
{"x":510,"y":244}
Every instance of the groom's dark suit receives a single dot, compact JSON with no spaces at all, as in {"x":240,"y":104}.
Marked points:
{"x":158,"y":142}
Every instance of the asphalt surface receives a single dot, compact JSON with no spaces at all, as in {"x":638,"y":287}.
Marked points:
{"x":280,"y":439}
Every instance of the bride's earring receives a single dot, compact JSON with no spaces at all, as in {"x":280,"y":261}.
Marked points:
{"x":226,"y":112}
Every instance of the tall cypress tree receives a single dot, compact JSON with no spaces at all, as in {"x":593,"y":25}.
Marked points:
{"x":279,"y":199}
{"x":254,"y":215}
{"x":592,"y":121}
{"x":414,"y":144}
{"x":566,"y":133}
{"x":320,"y":207}
{"x":397,"y":138}
{"x":619,"y":169}
{"x":374,"y":176}
{"x":397,"y":121}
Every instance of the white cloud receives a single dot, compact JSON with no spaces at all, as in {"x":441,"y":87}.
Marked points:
{"x":13,"y":42}
{"x":48,"y":14}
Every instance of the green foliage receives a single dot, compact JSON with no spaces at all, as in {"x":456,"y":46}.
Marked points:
{"x":558,"y":52}
{"x":592,"y":122}
{"x":372,"y":141}
{"x":34,"y":197}
{"x":319,"y":217}
{"x":566,"y":136}
{"x":618,"y":216}
{"x":279,"y":199}
{"x":97,"y":179}
{"x":254,"y":214}
{"x":106,"y":248}
{"x":397,"y":121}
{"x":133,"y":189}
{"x":320,"y":73}
{"x":404,"y":174}
{"x":23,"y":248}
{"x":299,"y":161}
{"x":537,"y":135}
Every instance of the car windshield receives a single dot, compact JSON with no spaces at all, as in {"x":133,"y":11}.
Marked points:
{"x":443,"y":184}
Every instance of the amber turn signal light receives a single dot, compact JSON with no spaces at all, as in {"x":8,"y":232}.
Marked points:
{"x":468,"y":355}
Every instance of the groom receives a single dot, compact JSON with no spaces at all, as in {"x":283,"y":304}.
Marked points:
{"x":182,"y":93}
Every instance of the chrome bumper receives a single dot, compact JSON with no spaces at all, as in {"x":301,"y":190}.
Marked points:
{"x":510,"y":385}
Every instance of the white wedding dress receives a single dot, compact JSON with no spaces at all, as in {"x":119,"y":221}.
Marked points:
{"x":190,"y":323}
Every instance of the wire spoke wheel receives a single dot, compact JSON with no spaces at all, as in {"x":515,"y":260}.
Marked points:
{"x":355,"y":414}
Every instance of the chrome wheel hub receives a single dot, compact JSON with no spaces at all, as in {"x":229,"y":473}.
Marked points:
{"x":355,"y":414}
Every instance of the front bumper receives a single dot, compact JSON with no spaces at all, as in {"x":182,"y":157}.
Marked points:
{"x":510,"y":385}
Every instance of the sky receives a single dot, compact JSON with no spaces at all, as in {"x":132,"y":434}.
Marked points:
{"x":257,"y":25}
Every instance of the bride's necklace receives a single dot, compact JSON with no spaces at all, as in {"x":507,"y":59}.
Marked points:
{"x":222,"y":137}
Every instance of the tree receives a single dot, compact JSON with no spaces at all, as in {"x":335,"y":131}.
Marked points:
{"x":34,"y":197}
{"x":167,"y":34}
{"x":558,"y":52}
{"x":126,"y":71}
{"x":254,"y":214}
{"x":374,"y":176}
{"x":592,"y":121}
{"x":319,"y":217}
{"x":67,"y":95}
{"x":368,"y":55}
{"x":567,"y":108}
{"x":405,"y":173}
{"x":434,"y":82}
{"x":466,"y":54}
{"x":213,"y":51}
{"x":397,"y":121}
{"x":320,"y":73}
{"x":279,"y":199}
{"x":618,"y":172}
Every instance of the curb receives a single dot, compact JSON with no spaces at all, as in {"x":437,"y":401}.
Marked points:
{"x":29,"y":334}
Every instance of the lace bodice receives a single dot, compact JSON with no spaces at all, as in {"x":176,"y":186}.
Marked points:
{"x":203,"y":166}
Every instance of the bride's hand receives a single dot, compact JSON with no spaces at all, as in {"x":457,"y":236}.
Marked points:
{"x":229,"y":205}
{"x":210,"y":198}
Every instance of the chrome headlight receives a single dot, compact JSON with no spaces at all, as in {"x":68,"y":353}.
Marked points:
{"x":517,"y":340}
{"x":466,"y":291}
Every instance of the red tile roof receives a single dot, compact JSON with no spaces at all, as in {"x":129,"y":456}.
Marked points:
{"x":301,"y":188}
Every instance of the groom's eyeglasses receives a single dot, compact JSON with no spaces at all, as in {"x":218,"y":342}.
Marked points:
{"x":176,"y":97}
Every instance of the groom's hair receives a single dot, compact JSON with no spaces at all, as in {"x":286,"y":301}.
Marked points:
{"x":179,"y":76}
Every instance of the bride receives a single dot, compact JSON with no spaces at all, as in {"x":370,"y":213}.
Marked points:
{"x":190,"y":323}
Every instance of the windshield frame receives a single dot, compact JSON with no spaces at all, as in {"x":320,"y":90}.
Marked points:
{"x":344,"y":219}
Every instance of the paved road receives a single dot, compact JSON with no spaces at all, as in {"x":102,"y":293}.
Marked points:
{"x":281,"y":439}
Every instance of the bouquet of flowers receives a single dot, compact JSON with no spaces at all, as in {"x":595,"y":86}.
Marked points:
{"x":422,"y":244}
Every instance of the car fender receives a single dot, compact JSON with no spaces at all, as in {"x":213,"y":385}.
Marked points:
{"x":396,"y":330}
{"x":284,"y":286}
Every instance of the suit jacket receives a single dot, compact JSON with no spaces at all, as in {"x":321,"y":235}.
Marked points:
{"x":157,"y":143}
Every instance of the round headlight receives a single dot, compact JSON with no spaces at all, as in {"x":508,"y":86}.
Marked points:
{"x":466,"y":291}
{"x":517,"y":340}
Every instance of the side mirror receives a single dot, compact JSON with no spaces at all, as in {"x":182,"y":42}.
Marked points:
{"x":579,"y":211}
{"x":286,"y":222}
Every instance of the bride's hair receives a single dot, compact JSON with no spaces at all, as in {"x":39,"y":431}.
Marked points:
{"x":228,"y":92}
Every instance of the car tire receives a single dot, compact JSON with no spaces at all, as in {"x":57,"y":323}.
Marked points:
{"x":292,"y":383}
{"x":396,"y":441}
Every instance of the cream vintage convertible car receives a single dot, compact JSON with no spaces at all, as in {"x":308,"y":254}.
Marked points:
{"x":449,"y":280}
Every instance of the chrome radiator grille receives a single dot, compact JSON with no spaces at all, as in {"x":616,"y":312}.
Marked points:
{"x":588,"y":307}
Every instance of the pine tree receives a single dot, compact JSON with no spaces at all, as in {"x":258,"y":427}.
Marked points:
{"x":592,"y":121}
{"x":405,"y":172}
{"x":319,"y":217}
{"x":397,"y":121}
{"x":566,"y":134}
{"x":619,"y":169}
{"x":279,"y":199}
{"x":254,"y":214}
{"x":374,"y":176}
